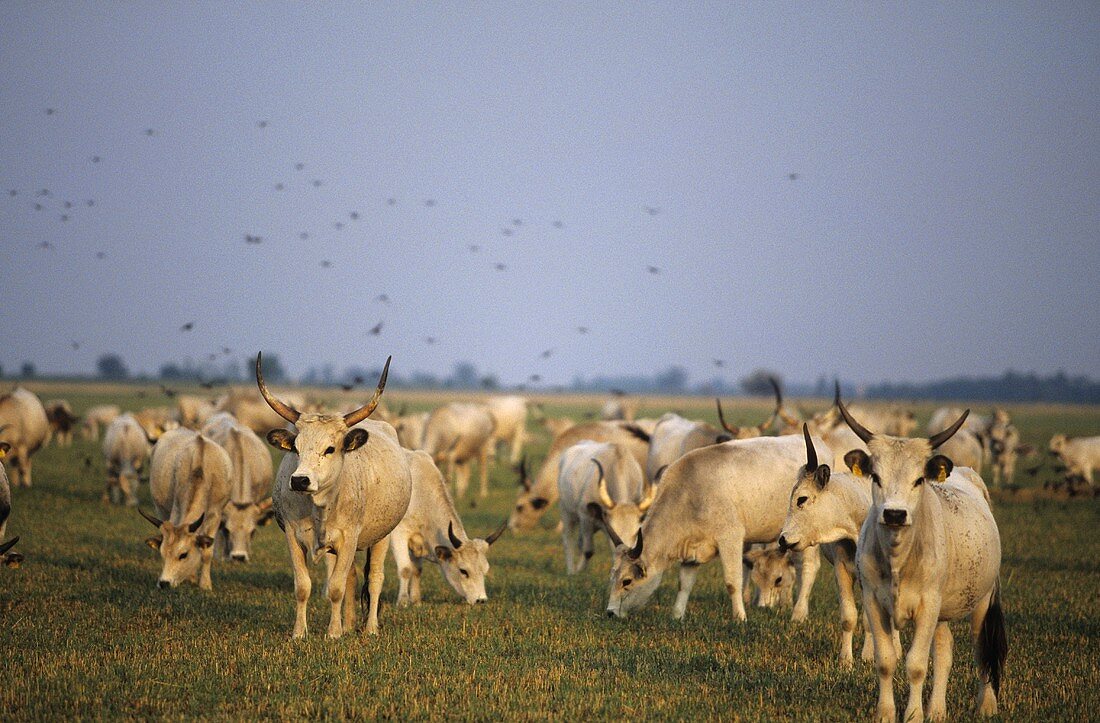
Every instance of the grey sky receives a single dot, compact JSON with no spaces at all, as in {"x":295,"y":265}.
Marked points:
{"x":944,"y":220}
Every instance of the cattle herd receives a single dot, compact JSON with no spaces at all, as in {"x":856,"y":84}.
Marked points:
{"x":904,"y":520}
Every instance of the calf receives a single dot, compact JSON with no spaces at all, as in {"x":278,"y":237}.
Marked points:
{"x":189,"y":480}
{"x":928,"y":552}
{"x":457,"y":434}
{"x":600,"y":485}
{"x":712,"y":502}
{"x":249,"y":505}
{"x":431,"y":530}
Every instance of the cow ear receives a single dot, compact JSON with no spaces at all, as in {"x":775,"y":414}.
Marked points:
{"x":154,"y":542}
{"x":203,"y":541}
{"x":355,"y":438}
{"x":858,"y":461}
{"x":4,"y":449}
{"x":821,"y":476}
{"x":938,"y":468}
{"x":751,"y":557}
{"x":539,"y":502}
{"x":442,"y":552}
{"x":281,"y":439}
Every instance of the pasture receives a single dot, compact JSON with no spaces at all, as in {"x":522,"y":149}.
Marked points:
{"x":86,"y":633}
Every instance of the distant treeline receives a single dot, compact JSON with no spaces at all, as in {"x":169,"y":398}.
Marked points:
{"x":1009,"y":387}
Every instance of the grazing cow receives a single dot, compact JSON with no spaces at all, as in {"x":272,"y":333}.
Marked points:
{"x":942,"y":418}
{"x":535,"y":497}
{"x":432,"y":530}
{"x":344,"y":486}
{"x":410,"y":429}
{"x":619,"y":409}
{"x":600,"y":485}
{"x":24,"y":424}
{"x":125,"y":449}
{"x":1080,"y":455}
{"x":928,"y":552}
{"x":714,"y":501}
{"x":10,"y":559}
{"x":673,"y":437}
{"x":769,"y":574}
{"x":157,"y":420}
{"x":458,"y":433}
{"x":1004,"y":450}
{"x":194,"y":411}
{"x":251,"y":410}
{"x":189,"y":481}
{"x":61,"y":420}
{"x":554,"y":425}
{"x":510,"y":423}
{"x":249,"y":488}
{"x":94,"y":417}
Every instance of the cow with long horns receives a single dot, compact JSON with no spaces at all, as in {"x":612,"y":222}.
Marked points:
{"x":432,"y":530}
{"x":343,"y":486}
{"x":750,"y":431}
{"x":929,"y":552}
{"x":189,"y":481}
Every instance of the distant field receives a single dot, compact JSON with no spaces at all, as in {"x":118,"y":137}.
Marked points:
{"x":85,"y":633}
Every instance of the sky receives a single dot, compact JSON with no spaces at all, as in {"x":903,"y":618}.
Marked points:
{"x":902,"y":192}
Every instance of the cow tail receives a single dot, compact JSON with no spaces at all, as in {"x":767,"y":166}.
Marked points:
{"x":993,"y":643}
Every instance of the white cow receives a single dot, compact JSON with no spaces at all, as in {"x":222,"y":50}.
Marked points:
{"x":510,"y":423}
{"x":714,"y":501}
{"x":432,"y":530}
{"x":929,"y":552}
{"x":1004,"y":449}
{"x":189,"y":481}
{"x":410,"y":428}
{"x":964,"y":449}
{"x":457,"y":434}
{"x":24,"y":427}
{"x":600,"y":485}
{"x":94,"y":417}
{"x":344,"y":486}
{"x":673,"y":437}
{"x":1080,"y":455}
{"x":195,"y":411}
{"x":10,"y":559}
{"x":535,"y":497}
{"x":250,"y":486}
{"x":126,"y":448}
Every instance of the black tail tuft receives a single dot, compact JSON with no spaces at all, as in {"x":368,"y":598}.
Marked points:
{"x":993,"y":643}
{"x":637,"y":432}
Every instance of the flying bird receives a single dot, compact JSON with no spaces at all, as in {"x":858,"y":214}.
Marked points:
{"x":558,"y":224}
{"x":506,"y":231}
{"x":262,"y":124}
{"x":51,"y":111}
{"x":652,"y":210}
{"x":357,"y":379}
{"x":653,"y":269}
{"x":64,"y":217}
{"x":383,"y":298}
{"x":354,"y":215}
{"x":45,"y":245}
{"x":249,"y":238}
{"x":534,"y":379}
{"x":792,"y":176}
{"x":326,"y":264}
{"x":429,"y":202}
{"x":299,"y":166}
{"x":90,"y":202}
{"x":75,"y":345}
{"x":96,"y":159}
{"x":718,"y":363}
{"x":44,"y":192}
{"x":13,"y":192}
{"x":500,"y":267}
{"x":474,"y":248}
{"x":279,"y":186}
{"x":100,"y":255}
{"x":304,"y":236}
{"x":226,"y":350}
{"x":582,"y":329}
{"x":150,"y":132}
{"x":546,"y":354}
{"x":391,"y":201}
{"x":517,"y":221}
{"x":429,"y":340}
{"x":376,"y":329}
{"x":339,"y":225}
{"x":188,"y":326}
{"x":68,"y":204}
{"x":317,"y":182}
{"x":38,"y":207}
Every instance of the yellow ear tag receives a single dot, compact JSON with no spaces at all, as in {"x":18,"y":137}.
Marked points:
{"x":3,"y":453}
{"x":857,"y":470}
{"x":943,"y":473}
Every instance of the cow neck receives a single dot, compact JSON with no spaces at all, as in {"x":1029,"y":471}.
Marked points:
{"x":904,"y":549}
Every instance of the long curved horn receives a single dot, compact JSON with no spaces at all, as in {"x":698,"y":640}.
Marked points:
{"x":937,"y":439}
{"x":861,"y":431}
{"x":497,"y":533}
{"x":601,"y":487}
{"x":597,"y":511}
{"x":811,"y":453}
{"x":455,"y":542}
{"x":9,"y":544}
{"x":635,"y":552}
{"x":778,"y":405}
{"x":285,"y":411}
{"x":194,"y":526}
{"x":722,"y":418}
{"x":152,"y":520}
{"x":353,"y":418}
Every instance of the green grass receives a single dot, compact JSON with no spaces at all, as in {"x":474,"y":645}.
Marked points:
{"x":85,"y":633}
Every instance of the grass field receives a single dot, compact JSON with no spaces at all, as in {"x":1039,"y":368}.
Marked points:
{"x":85,"y":633}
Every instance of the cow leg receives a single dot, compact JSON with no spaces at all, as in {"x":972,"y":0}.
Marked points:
{"x":399,"y":545}
{"x":483,"y":470}
{"x":811,"y":562}
{"x":337,"y":579}
{"x":112,"y":493}
{"x":349,"y":596}
{"x":570,"y":541}
{"x":375,"y":578}
{"x":916,"y":662}
{"x":587,"y":530}
{"x":414,"y":582}
{"x":688,"y":572}
{"x":302,"y":583}
{"x":941,"y":668}
{"x":880,"y":627}
{"x":517,"y":443}
{"x":462,"y":479}
{"x":986,"y":700}
{"x":848,"y":613}
{"x":730,"y":551}
{"x":204,"y":570}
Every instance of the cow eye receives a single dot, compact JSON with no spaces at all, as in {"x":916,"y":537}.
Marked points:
{"x":329,"y":451}
{"x":779,"y":580}
{"x":918,"y":482}
{"x":627,"y":581}
{"x":801,"y":501}
{"x":464,"y":573}
{"x":183,"y":556}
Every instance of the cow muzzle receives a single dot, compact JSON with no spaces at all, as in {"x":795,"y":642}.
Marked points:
{"x":164,"y":584}
{"x":895,"y":518}
{"x":299,"y":483}
{"x":238,"y":556}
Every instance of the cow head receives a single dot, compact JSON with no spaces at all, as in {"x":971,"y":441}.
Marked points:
{"x":899,"y":468}
{"x":320,"y":440}
{"x":529,"y":506}
{"x":814,"y":515}
{"x":632,"y":580}
{"x":621,"y":520}
{"x":465,"y":563}
{"x":240,"y":521}
{"x":1057,"y":445}
{"x":772,"y":572}
{"x":181,"y":548}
